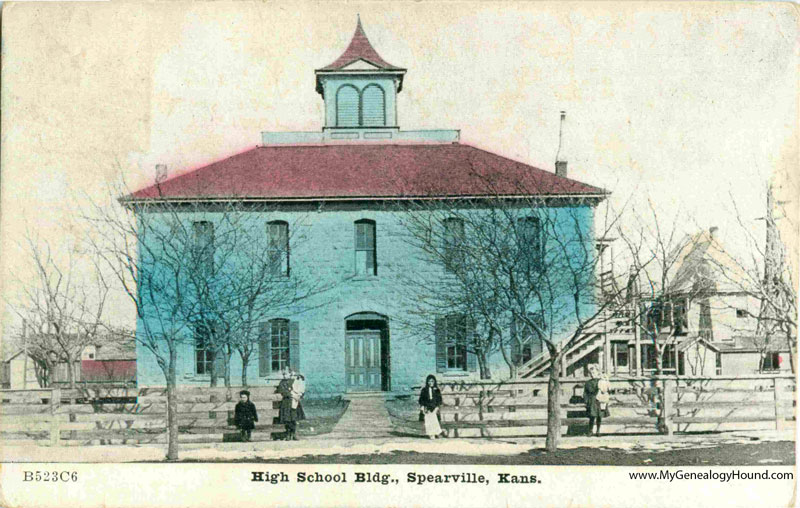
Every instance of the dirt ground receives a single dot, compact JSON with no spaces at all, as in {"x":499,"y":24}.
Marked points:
{"x":777,"y":453}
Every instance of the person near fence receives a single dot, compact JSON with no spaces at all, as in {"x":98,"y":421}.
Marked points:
{"x":430,"y":402}
{"x":596,"y":397}
{"x":291,"y":409}
{"x":245,"y":415}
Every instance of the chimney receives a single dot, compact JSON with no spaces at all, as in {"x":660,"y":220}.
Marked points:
{"x":712,"y":231}
{"x":561,"y":165}
{"x":161,"y":172}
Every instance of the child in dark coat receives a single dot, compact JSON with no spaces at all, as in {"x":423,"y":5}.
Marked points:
{"x":245,"y":415}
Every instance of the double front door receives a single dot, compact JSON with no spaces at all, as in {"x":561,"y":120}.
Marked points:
{"x":362,"y":351}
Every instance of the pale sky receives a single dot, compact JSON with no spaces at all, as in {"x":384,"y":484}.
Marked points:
{"x":685,"y":104}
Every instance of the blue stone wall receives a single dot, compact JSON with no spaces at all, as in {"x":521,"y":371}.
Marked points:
{"x":322,"y":247}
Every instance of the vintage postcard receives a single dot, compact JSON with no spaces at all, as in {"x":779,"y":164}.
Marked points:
{"x":462,"y":253}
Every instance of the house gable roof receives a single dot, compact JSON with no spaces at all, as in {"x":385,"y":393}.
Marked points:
{"x":364,"y":171}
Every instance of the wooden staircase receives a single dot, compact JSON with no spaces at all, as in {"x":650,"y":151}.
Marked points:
{"x":586,"y":344}
{"x":616,"y":323}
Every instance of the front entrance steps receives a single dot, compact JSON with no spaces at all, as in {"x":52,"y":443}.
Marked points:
{"x":366,"y":418}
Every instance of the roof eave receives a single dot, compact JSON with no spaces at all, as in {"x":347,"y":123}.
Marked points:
{"x":131,"y":201}
{"x":399,"y":72}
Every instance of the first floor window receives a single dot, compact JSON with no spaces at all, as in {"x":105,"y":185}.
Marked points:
{"x":529,"y":342}
{"x":620,"y":354}
{"x":650,"y":357}
{"x":279,"y":344}
{"x":456,"y":342}
{"x":203,"y":351}
{"x":771,"y":361}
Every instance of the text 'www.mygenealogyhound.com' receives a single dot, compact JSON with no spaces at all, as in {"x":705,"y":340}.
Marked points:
{"x":720,"y":476}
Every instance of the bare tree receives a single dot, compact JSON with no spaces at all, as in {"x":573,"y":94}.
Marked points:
{"x":63,"y":309}
{"x":767,"y":275}
{"x":517,"y":266}
{"x":196,"y":272}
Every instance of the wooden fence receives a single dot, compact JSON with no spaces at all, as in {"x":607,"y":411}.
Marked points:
{"x":125,"y":415}
{"x":692,"y":405}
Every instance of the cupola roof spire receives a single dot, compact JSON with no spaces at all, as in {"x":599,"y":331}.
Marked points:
{"x":360,"y":49}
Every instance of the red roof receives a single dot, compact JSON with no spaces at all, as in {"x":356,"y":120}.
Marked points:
{"x":360,"y":49}
{"x":351,"y":171}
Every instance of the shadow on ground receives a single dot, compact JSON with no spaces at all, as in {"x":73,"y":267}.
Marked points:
{"x":762,"y":453}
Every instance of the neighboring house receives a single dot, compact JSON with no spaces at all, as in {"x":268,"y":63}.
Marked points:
{"x":342,"y":179}
{"x":109,"y":363}
{"x":714,"y":320}
{"x":19,"y":372}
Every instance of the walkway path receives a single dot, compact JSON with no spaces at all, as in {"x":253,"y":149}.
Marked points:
{"x":365,"y":418}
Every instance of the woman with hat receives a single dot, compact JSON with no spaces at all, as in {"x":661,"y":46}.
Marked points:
{"x":291,"y":410}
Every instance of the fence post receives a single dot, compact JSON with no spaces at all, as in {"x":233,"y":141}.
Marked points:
{"x":55,"y":427}
{"x":455,"y":416}
{"x":667,"y":409}
{"x":776,"y":395}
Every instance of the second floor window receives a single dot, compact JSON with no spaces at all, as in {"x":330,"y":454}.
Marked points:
{"x":453,"y":248}
{"x":278,"y":248}
{"x":203,"y":248}
{"x":530,"y":243}
{"x":366,"y":258}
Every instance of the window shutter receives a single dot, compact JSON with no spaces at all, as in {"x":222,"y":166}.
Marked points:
{"x":516,"y":350}
{"x":219,"y":360}
{"x":264,"y":357}
{"x":294,"y":345}
{"x":472,"y":331}
{"x":440,"y":333}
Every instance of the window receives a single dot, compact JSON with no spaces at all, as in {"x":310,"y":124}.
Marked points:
{"x":620,"y":354}
{"x":456,"y":342}
{"x":366,"y":263}
{"x":741,"y":313}
{"x":347,"y":113}
{"x":203,"y":249}
{"x":453,"y":252}
{"x":373,"y":106}
{"x":649,"y":357}
{"x":204,"y":353}
{"x":279,"y":344}
{"x":529,"y":344}
{"x":718,"y":363}
{"x":706,"y":328}
{"x":530,"y":243}
{"x":278,"y":248}
{"x":771,"y":361}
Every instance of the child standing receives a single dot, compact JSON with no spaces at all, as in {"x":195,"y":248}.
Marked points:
{"x":245,"y":415}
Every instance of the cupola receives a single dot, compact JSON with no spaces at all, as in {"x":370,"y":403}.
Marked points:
{"x":360,"y":88}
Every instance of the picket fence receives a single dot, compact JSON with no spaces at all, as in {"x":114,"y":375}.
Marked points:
{"x":62,"y":417}
{"x":693,"y":404}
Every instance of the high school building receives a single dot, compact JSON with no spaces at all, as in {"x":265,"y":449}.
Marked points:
{"x":334,"y":187}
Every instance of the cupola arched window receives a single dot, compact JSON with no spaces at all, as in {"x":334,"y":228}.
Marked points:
{"x":373,"y":106}
{"x":347,"y":106}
